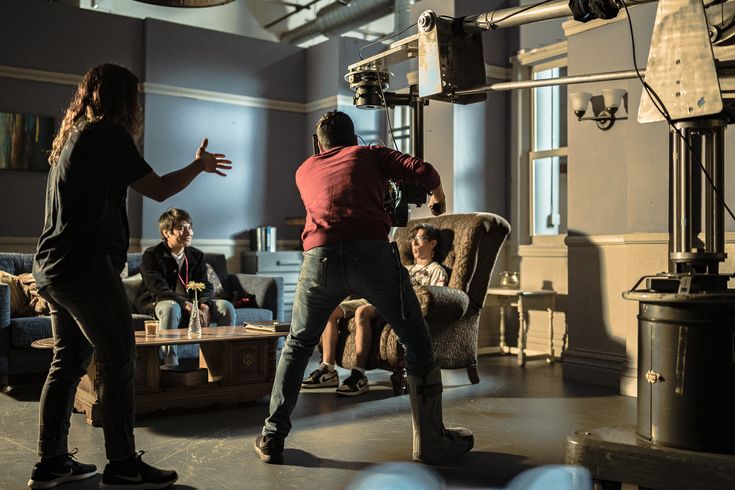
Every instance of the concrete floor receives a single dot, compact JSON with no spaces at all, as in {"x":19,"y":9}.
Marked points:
{"x":520,"y":418}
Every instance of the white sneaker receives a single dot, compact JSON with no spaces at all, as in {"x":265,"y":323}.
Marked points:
{"x":171,"y":359}
{"x":355,"y":384}
{"x":321,"y":378}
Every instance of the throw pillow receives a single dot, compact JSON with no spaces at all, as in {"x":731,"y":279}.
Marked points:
{"x":132,"y":286}
{"x":36,"y":302}
{"x":213,"y":279}
{"x":18,"y":300}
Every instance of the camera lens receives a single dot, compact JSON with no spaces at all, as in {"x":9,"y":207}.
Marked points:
{"x":369,"y":87}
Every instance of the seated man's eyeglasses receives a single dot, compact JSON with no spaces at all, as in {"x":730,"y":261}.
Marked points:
{"x":419,"y":239}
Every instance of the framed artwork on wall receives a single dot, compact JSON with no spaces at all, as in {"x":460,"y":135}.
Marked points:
{"x":25,"y":141}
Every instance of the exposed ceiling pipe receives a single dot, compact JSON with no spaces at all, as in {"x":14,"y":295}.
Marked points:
{"x":336,"y":19}
{"x":186,"y":3}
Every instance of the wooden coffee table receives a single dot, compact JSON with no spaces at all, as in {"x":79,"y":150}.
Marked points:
{"x":240,"y":364}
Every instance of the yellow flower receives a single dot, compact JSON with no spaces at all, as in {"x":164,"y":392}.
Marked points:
{"x":196,"y":286}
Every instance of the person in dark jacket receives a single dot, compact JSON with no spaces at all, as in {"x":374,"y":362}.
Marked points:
{"x":80,"y":254}
{"x":346,"y":251}
{"x":167,"y":268}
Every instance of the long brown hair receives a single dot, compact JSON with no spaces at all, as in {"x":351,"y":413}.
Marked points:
{"x":106,"y":93}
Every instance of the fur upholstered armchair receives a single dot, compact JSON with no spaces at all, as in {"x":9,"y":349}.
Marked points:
{"x":470,"y":244}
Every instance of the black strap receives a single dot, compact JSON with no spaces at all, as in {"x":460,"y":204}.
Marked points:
{"x":400,"y":269}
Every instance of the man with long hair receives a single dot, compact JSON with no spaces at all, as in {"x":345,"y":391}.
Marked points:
{"x":346,"y":251}
{"x":81,"y":252}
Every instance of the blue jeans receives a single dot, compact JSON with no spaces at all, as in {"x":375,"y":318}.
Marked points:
{"x":90,"y":313}
{"x":368,"y":268}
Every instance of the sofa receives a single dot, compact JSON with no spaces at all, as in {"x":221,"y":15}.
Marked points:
{"x":21,"y":363}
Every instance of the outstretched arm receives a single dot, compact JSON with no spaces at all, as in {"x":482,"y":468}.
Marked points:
{"x":162,"y":187}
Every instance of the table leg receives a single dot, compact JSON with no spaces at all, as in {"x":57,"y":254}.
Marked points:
{"x":550,"y":359}
{"x":503,"y":347}
{"x":521,"y":333}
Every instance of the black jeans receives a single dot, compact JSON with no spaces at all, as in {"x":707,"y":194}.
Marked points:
{"x":90,"y":313}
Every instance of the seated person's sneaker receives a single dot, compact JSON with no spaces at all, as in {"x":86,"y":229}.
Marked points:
{"x":55,"y":471}
{"x":321,"y":378}
{"x":134,"y":473}
{"x":270,"y":449}
{"x":355,"y":384}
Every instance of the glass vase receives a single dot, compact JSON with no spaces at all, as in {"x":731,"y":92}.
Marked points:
{"x":195,"y":323}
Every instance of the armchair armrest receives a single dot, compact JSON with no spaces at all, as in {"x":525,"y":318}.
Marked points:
{"x":268,"y":291}
{"x":441,"y":305}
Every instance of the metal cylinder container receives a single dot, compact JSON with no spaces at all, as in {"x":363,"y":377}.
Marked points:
{"x":686,"y":370}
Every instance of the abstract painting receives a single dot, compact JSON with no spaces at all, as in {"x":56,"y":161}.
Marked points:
{"x":25,"y":141}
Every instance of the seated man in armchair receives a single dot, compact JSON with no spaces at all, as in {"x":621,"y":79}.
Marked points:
{"x":166,"y":269}
{"x":424,"y":272}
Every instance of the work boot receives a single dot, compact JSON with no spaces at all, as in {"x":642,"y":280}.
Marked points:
{"x":432,"y":442}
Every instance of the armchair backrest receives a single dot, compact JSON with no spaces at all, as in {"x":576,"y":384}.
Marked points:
{"x":469,"y":247}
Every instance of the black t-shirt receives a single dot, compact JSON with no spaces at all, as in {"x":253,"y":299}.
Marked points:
{"x":86,"y":201}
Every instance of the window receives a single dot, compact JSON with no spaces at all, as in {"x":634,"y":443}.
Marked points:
{"x":548,"y":152}
{"x":401,"y":122}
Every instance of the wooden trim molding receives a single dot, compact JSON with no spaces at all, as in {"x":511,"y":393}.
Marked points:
{"x":542,"y":251}
{"x":69,"y":79}
{"x":534,"y":56}
{"x":495,"y":72}
{"x":222,"y":97}
{"x":332,"y":102}
{"x":39,"y":75}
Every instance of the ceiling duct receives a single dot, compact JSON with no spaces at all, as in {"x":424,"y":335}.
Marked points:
{"x":336,"y":19}
{"x":186,"y":3}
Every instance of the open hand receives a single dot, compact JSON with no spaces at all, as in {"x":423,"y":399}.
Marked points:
{"x":204,"y":314}
{"x":213,"y":162}
{"x":437,"y":205}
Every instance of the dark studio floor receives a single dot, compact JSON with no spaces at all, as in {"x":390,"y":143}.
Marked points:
{"x":520,"y":418}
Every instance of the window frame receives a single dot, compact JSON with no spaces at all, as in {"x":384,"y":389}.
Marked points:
{"x":525,"y":64}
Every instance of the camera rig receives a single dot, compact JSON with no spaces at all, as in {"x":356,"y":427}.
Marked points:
{"x":370,"y":93}
{"x":441,"y":42}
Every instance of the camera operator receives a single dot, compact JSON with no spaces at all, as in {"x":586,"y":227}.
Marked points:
{"x":346,"y":251}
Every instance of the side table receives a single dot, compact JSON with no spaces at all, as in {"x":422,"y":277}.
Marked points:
{"x":524,"y":300}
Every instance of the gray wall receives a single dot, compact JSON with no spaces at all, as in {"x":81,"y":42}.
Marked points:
{"x":262,"y":144}
{"x":48,"y":37}
{"x":265,"y":145}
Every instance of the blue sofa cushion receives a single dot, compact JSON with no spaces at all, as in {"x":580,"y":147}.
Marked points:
{"x":16,"y":263}
{"x":23,"y":331}
{"x":4,"y":305}
{"x":252,"y":315}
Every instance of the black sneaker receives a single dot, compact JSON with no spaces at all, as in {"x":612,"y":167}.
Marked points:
{"x":48,"y":474}
{"x":134,"y":473}
{"x":321,"y":378}
{"x":355,"y":384}
{"x":270,"y":449}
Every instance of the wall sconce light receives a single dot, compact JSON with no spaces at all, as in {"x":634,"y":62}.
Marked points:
{"x":612,"y":98}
